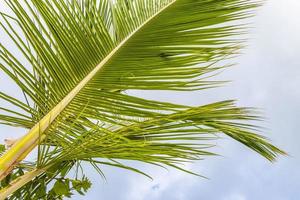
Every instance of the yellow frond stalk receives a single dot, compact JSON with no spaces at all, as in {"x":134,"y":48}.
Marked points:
{"x":28,"y":142}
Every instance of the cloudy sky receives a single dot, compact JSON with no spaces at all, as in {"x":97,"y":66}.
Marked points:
{"x":267,"y":76}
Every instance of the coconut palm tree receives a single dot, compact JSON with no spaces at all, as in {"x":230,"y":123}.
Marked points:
{"x":74,"y":60}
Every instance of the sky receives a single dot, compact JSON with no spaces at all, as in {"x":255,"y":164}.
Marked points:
{"x":267,"y":76}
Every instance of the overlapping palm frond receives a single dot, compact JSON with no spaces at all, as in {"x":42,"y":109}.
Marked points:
{"x":79,"y":56}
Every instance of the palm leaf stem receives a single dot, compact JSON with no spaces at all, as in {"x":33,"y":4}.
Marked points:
{"x":19,"y":182}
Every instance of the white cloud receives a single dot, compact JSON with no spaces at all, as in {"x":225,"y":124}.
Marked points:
{"x":143,"y":189}
{"x":235,"y":196}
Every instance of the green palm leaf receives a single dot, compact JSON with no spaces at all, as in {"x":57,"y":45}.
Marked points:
{"x":79,"y":58}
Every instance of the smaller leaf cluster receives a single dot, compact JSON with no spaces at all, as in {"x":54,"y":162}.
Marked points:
{"x":54,"y":184}
{"x":63,"y":187}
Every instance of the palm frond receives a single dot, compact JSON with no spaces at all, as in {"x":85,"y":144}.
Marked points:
{"x":78,"y":58}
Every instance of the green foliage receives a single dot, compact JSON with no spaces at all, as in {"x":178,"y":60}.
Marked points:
{"x":142,"y":45}
{"x":50,"y":185}
{"x":81,"y":186}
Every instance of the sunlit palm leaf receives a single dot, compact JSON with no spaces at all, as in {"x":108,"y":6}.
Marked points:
{"x":80,"y":56}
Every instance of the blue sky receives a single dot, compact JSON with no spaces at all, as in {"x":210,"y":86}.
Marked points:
{"x":267,"y":76}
